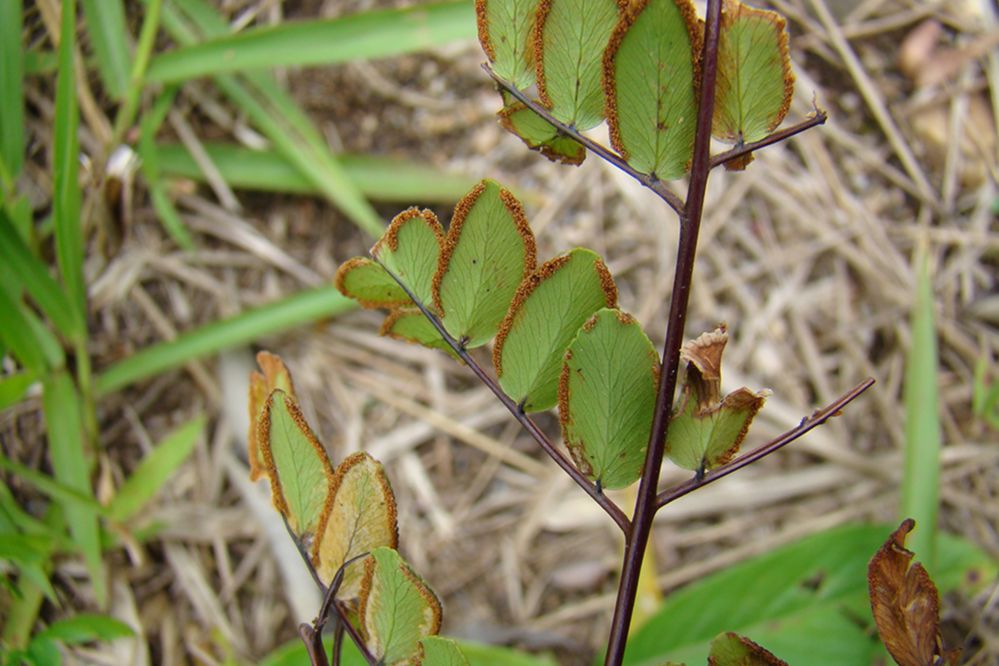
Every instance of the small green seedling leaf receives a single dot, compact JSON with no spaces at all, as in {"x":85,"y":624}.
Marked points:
{"x":546,"y":313}
{"x":438,"y":651}
{"x":396,"y":609}
{"x":707,"y":430}
{"x":731,"y":649}
{"x":569,"y":42}
{"x":505,"y":31}
{"x":410,"y":325}
{"x":410,"y":249}
{"x":488,"y":251}
{"x":540,"y":135}
{"x":296,"y":464}
{"x":275,"y":376}
{"x":650,"y":68}
{"x":364,"y":281}
{"x":607,"y":396}
{"x":755,"y":82}
{"x":359,"y":516}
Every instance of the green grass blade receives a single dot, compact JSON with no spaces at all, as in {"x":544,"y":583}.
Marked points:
{"x":380,"y":178}
{"x":11,"y":87}
{"x":154,"y":470}
{"x":14,"y":387}
{"x":25,"y":335}
{"x":109,"y":37}
{"x":371,"y":34}
{"x":921,"y":480}
{"x":143,"y":51}
{"x":34,"y":277}
{"x":64,"y":420}
{"x":148,"y":151}
{"x":66,"y":166}
{"x":278,"y":117}
{"x":297,"y":310}
{"x":23,"y":609}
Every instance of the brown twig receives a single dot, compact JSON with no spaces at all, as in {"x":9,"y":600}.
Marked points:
{"x":612,"y":509}
{"x":817,"y":418}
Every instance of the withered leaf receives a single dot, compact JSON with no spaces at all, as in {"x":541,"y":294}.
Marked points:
{"x":905,"y":603}
{"x":274,"y":376}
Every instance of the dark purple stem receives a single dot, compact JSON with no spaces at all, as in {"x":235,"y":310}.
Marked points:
{"x":690,"y":221}
{"x":659,"y":187}
{"x":342,"y":612}
{"x":816,"y":419}
{"x":817,"y":118}
{"x":313,"y":644}
{"x":612,"y":509}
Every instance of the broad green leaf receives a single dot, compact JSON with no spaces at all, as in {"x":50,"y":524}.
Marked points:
{"x":703,"y":440}
{"x":287,"y":313}
{"x":359,"y":516}
{"x":540,"y":135}
{"x":569,"y":43}
{"x":506,"y":31}
{"x":489,"y":249}
{"x":410,"y":249}
{"x":607,"y":396}
{"x":649,"y":79}
{"x":546,"y":313}
{"x":397,"y":608}
{"x":13,"y":387}
{"x":707,"y":430}
{"x":409,"y":324}
{"x":86,"y":627}
{"x":364,"y":281}
{"x":360,"y":35}
{"x":297,"y":466}
{"x":293,"y":654}
{"x":755,"y":82}
{"x":275,"y":375}
{"x":731,"y":649}
{"x":63,"y":409}
{"x":921,"y":472}
{"x":155,"y":469}
{"x":438,"y":651}
{"x":803,"y":601}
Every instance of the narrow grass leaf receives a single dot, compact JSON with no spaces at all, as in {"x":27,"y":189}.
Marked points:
{"x":921,"y":473}
{"x":488,"y":251}
{"x":506,"y":30}
{"x":569,"y":44}
{"x":64,"y":421}
{"x":755,"y":82}
{"x":362,"y":35}
{"x":52,"y":488}
{"x":607,"y":396}
{"x":411,"y":325}
{"x":13,"y":387}
{"x":546,"y":313}
{"x":85,"y":628}
{"x":34,"y":276}
{"x":650,"y":69}
{"x":358,"y":517}
{"x":410,"y":249}
{"x":297,"y":466}
{"x":397,"y":608}
{"x":368,"y":283}
{"x":439,"y":651}
{"x":377,"y":177}
{"x":291,"y":312}
{"x":540,"y":135}
{"x":109,"y":37}
{"x":34,"y":345}
{"x":66,"y":167}
{"x":12,"y":87}
{"x":807,"y":599}
{"x":274,"y":375}
{"x":137,"y":74}
{"x":155,"y":470}
{"x":277,"y":115}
